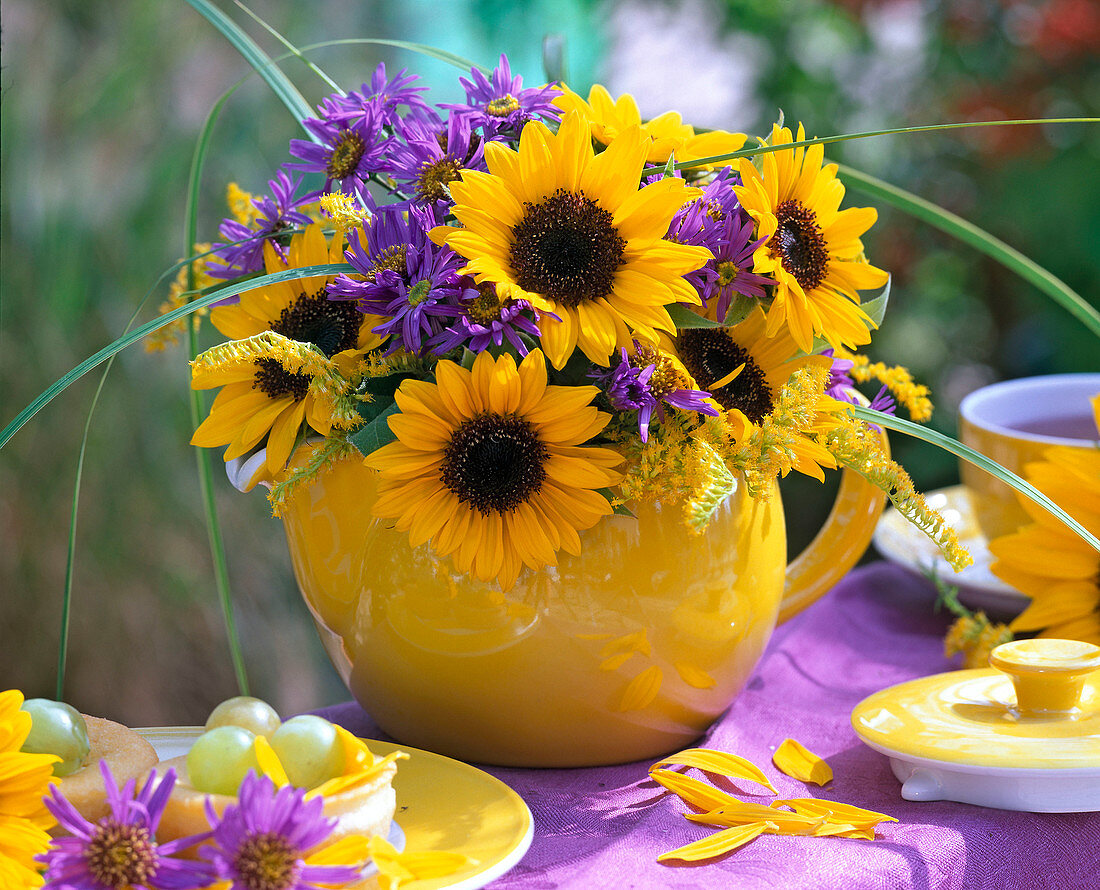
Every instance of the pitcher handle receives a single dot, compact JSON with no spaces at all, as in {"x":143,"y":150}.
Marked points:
{"x":838,"y":546}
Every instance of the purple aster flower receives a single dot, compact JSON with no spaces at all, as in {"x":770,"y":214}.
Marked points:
{"x":119,"y":851}
{"x":386,"y":96}
{"x":501,"y":106}
{"x":427,"y":155}
{"x":733,"y":261}
{"x":485,"y":319}
{"x":645,"y":382}
{"x":351,"y":144}
{"x":268,"y":833}
{"x":273,"y":215}
{"x":409,"y":281}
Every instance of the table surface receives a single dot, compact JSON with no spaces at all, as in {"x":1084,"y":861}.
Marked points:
{"x":605,"y":826}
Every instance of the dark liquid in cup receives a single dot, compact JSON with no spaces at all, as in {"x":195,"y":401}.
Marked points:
{"x":1072,"y":426}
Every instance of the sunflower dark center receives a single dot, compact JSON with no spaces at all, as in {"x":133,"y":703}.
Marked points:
{"x":567,"y":248}
{"x":266,"y":861}
{"x":710,"y":355}
{"x":330,"y":325}
{"x":435,"y":176}
{"x":121,"y":855}
{"x":346,"y":154}
{"x":502,"y":106}
{"x":495,"y":462}
{"x":276,"y":381}
{"x":801,"y":246}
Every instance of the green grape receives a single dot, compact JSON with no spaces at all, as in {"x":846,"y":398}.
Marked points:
{"x":253,"y":714}
{"x":57,"y":728}
{"x":220,"y":759}
{"x":309,"y":750}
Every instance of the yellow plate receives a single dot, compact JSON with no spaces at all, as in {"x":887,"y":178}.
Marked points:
{"x":442,"y":804}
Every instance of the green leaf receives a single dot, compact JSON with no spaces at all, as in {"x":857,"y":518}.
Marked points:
{"x":876,"y":306}
{"x":373,"y":435}
{"x":968,"y":233}
{"x":259,"y":60}
{"x":617,"y":509}
{"x":683,"y":317}
{"x":670,"y":166}
{"x":382,"y":390}
{"x":211,"y":295}
{"x":739,"y":309}
{"x":957,"y":448}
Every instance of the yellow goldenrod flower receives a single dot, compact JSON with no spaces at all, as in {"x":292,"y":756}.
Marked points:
{"x":180,"y":293}
{"x":914,"y":396}
{"x":240,"y":204}
{"x":344,"y":210}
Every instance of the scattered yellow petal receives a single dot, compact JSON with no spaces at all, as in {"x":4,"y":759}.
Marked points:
{"x":394,"y":868}
{"x":741,"y":813}
{"x":716,"y":844}
{"x":834,"y":811}
{"x":695,"y":676}
{"x":692,"y":791}
{"x":269,"y":762}
{"x":633,"y":642}
{"x":800,"y":763}
{"x":351,"y":849}
{"x":616,"y":661}
{"x":719,"y":762}
{"x":354,"y":779}
{"x":641,"y":691}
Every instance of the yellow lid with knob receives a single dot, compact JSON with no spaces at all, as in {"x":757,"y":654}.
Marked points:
{"x":1038,"y":707}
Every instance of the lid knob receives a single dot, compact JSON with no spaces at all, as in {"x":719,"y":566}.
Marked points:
{"x":1047,"y":674}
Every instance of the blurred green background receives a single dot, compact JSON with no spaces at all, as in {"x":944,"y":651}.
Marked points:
{"x":102,"y":101}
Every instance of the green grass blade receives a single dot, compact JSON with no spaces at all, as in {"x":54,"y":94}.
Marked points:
{"x":422,"y":49}
{"x":847,"y":137}
{"x":979,"y":239}
{"x":258,"y":59}
{"x":198,"y":409}
{"x":957,"y":448}
{"x":211,"y":295}
{"x":294,"y":51}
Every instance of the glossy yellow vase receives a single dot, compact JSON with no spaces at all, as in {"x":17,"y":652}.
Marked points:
{"x":628,"y":651}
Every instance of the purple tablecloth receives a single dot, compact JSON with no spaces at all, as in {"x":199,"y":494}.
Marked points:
{"x":605,"y":826}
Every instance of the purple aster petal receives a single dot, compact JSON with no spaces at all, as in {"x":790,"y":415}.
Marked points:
{"x":350,"y":146}
{"x":501,"y":106}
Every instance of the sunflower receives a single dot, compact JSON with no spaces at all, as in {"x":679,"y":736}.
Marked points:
{"x":665,"y":135}
{"x":1049,"y":562}
{"x":570,"y":232}
{"x":487,"y":465}
{"x":24,"y":780}
{"x":261,"y":398}
{"x":811,"y":247}
{"x":744,"y":371}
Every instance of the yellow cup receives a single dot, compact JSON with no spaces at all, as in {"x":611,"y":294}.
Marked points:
{"x":1014,"y":423}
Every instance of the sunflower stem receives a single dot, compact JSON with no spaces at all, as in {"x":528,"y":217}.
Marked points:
{"x":966,"y":453}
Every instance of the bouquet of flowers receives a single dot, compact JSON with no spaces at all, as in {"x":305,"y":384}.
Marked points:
{"x":551,"y":309}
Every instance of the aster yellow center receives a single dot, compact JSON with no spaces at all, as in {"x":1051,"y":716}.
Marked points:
{"x":494,"y":463}
{"x":120,"y":855}
{"x":346,"y":155}
{"x":727,"y":272}
{"x":567,"y":248}
{"x":394,"y":258}
{"x":503,"y":106}
{"x":266,"y":862}
{"x":666,"y":378}
{"x":418,"y":293}
{"x":800,"y":244}
{"x":710,"y":355}
{"x":486,"y":306}
{"x":435,"y":176}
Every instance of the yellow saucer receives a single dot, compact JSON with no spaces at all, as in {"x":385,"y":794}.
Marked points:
{"x":442,"y":804}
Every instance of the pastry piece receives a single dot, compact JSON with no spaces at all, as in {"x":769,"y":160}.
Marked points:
{"x":127,"y":754}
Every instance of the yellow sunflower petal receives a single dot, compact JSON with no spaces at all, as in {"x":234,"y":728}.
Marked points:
{"x":715,"y":844}
{"x":720,"y":763}
{"x":800,"y":763}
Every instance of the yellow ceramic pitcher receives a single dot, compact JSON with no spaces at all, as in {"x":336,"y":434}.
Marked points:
{"x":628,"y":651}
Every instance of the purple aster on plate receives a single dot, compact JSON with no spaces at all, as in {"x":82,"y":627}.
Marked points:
{"x":409,"y":281}
{"x":119,"y":851}
{"x":350,"y":144}
{"x":386,"y":96}
{"x":486,"y":319}
{"x":501,"y":106}
{"x":427,"y":155}
{"x":647,"y":381}
{"x":273,"y":215}
{"x":264,"y":841}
